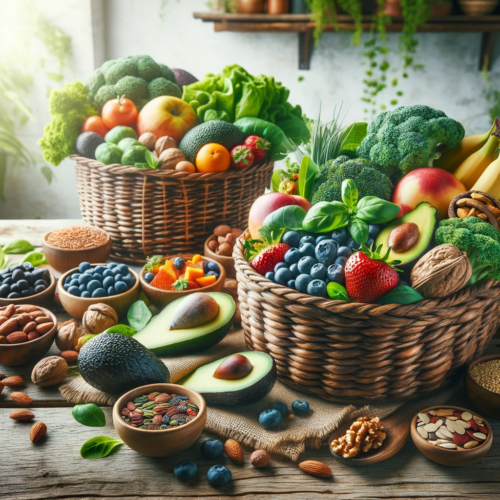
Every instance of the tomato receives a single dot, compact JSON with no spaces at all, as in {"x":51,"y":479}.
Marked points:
{"x":95,"y":124}
{"x":119,"y":112}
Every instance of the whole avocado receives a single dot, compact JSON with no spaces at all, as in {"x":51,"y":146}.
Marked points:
{"x":87,"y":143}
{"x":115,"y":363}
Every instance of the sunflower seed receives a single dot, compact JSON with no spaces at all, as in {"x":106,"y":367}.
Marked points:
{"x":448,"y":446}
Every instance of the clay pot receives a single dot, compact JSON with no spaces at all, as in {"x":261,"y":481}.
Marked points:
{"x":249,"y":6}
{"x":278,"y":6}
{"x":441,"y":9}
{"x":393,"y":8}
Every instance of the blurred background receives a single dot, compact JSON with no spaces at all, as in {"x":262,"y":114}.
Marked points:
{"x":453,"y":66}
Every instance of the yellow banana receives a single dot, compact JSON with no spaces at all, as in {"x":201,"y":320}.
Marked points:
{"x":489,"y":182}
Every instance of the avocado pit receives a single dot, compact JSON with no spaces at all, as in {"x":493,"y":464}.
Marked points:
{"x":404,"y":237}
{"x":233,"y":368}
{"x":195,"y":310}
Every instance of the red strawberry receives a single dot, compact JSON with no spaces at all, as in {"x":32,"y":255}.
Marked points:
{"x":242,"y":157}
{"x":258,"y":146}
{"x":265,"y":253}
{"x":368,"y":276}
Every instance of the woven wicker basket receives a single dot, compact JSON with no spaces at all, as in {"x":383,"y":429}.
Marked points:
{"x":164,"y":212}
{"x":361,"y":353}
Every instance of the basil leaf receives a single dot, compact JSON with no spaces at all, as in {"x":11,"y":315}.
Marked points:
{"x":276,"y":180}
{"x":37,"y":258}
{"x":141,"y":165}
{"x":18,"y":247}
{"x":374,"y":210}
{"x":336,"y":291}
{"x":89,"y":414}
{"x":358,"y":230}
{"x":349,"y":193}
{"x":123,"y":329}
{"x":289,"y":217}
{"x":352,"y":138}
{"x":99,"y":447}
{"x":307,"y":176}
{"x":401,"y":295}
{"x":138,"y":315}
{"x":325,"y":216}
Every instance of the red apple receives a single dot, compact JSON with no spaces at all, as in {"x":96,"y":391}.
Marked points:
{"x":268,"y":203}
{"x":434,"y":185}
{"x":167,"y":115}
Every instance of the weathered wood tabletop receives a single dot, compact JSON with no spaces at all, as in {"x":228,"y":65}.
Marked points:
{"x":53,"y":469}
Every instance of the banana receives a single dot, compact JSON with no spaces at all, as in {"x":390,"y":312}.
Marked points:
{"x":489,"y":182}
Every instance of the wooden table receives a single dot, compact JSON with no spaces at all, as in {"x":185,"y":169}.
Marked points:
{"x":53,"y":469}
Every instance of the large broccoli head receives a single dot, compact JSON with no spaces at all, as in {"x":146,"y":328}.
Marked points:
{"x":139,"y":78}
{"x":406,"y":138}
{"x":368,"y":177}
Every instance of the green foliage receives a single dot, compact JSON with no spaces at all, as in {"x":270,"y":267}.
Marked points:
{"x":99,"y":447}
{"x":138,"y":315}
{"x":89,"y":414}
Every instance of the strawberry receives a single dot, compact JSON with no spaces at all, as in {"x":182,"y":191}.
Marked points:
{"x":258,"y":146}
{"x":242,"y":157}
{"x":369,"y":276}
{"x":265,"y":253}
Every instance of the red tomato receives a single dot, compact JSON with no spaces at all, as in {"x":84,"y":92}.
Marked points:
{"x":95,"y":124}
{"x":119,"y":112}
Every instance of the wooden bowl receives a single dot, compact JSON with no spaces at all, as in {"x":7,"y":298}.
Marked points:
{"x":160,"y":298}
{"x":478,"y":7}
{"x":226,"y":262}
{"x":31,"y":351}
{"x":76,"y":306}
{"x":62,"y":259}
{"x":45,"y":298}
{"x":164,"y":442}
{"x":485,"y":401}
{"x":450,"y":457}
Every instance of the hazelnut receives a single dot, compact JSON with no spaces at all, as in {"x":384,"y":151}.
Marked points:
{"x":185,"y":166}
{"x":68,"y":335}
{"x":212,"y":244}
{"x":230,"y":238}
{"x":222,"y":230}
{"x":259,"y":458}
{"x":163,"y":143}
{"x":98,"y":318}
{"x":49,"y":371}
{"x":221,"y":240}
{"x":226,"y":249}
{"x":148,"y":139}
{"x":236,"y":232}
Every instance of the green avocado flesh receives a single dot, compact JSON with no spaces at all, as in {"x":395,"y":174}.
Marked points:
{"x":158,"y":337}
{"x":424,"y":216}
{"x":255,"y":386}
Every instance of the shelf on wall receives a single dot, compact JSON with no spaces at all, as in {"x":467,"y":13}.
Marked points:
{"x":302,"y":24}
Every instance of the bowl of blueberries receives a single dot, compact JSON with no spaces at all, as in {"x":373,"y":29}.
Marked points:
{"x":25,"y":284}
{"x":113,"y":284}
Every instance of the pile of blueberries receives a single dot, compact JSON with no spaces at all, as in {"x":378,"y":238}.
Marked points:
{"x":99,"y":281}
{"x":270,"y":419}
{"x":23,"y":280}
{"x":315,"y":261}
{"x":209,"y":268}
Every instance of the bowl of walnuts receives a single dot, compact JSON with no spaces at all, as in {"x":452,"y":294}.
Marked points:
{"x":219,"y":247}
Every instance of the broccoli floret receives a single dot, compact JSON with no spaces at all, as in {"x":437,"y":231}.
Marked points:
{"x":132,"y":87}
{"x":160,"y":86}
{"x":167,"y":73}
{"x":147,"y":68}
{"x":368,"y":177}
{"x":406,"y":138}
{"x":118,"y":70}
{"x":96,"y":81}
{"x":105,"y":94}
{"x":479,"y":240}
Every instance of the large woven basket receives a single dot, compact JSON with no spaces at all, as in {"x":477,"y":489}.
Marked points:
{"x":360,"y":353}
{"x":164,"y":212}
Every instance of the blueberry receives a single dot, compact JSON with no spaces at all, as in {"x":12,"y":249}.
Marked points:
{"x":85,"y":279}
{"x":300,"y":408}
{"x":18,"y":275}
{"x":344,"y":252}
{"x":93,"y":285}
{"x":270,"y":419}
{"x":320,"y":239}
{"x":340,"y":236}
{"x":86,"y":295}
{"x":14,"y":288}
{"x":16,"y":266}
{"x":13,"y":295}
{"x":89,"y":272}
{"x":118,"y":277}
{"x":301,"y":282}
{"x":66,"y":286}
{"x":40,"y":288}
{"x":84,"y":266}
{"x":318,"y":271}
{"x":121,"y":287}
{"x":129,"y":280}
{"x":41,"y":282}
{"x":213,"y":266}
{"x":305,"y":264}
{"x":292,"y":256}
{"x":291,"y":238}
{"x":74,"y":290}
{"x":109,"y":281}
{"x":98,"y":277}
{"x":270,"y":276}
{"x":179,"y":263}
{"x":22,"y":285}
{"x":8,"y":281}
{"x":307,"y":249}
{"x":317,"y":288}
{"x":111,"y":290}
{"x":124,"y":270}
{"x":76,"y":276}
{"x":4,"y":290}
{"x":41,"y":274}
{"x":107,"y":273}
{"x":291,"y":284}
{"x":31,"y":291}
{"x":186,"y":470}
{"x":373,"y":231}
{"x":294,"y":268}
{"x":111,"y":265}
{"x":205,"y":267}
{"x":283,"y":276}
{"x":149,"y":277}
{"x":29,"y":278}
{"x":28,"y":266}
{"x":218,"y":475}
{"x":341,"y":261}
{"x":99,"y":269}
{"x":308,"y":239}
{"x":280,"y":265}
{"x":212,"y":273}
{"x":336,"y":273}
{"x":99,"y":292}
{"x":352,"y":244}
{"x":25,"y":293}
{"x":82,"y":288}
{"x":326,"y":252}
{"x":281,"y":407}
{"x":211,"y":448}
{"x":74,"y":283}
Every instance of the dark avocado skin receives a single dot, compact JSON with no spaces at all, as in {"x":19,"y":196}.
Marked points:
{"x":115,"y":363}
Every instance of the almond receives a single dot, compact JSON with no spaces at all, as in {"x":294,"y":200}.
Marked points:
{"x":29,"y":327}
{"x":14,"y":381}
{"x":27,"y":309}
{"x":316,"y":468}
{"x":42,"y":319}
{"x":9,"y":326}
{"x":9,"y":310}
{"x":69,"y":356}
{"x":44,"y":328}
{"x":37,"y":314}
{"x":38,"y":432}
{"x":22,"y":415}
{"x":17,"y":338}
{"x":33,"y":335}
{"x":21,"y":398}
{"x":234,"y":451}
{"x":259,"y":458}
{"x":24,"y":319}
{"x":3,"y":340}
{"x":3,"y":319}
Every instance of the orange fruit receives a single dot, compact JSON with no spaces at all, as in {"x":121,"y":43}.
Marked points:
{"x":95,"y":124}
{"x":213,"y":158}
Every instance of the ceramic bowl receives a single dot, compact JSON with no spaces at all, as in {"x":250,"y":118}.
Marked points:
{"x":62,"y":259}
{"x":478,"y":7}
{"x":226,"y":262}
{"x":31,"y":351}
{"x":76,"y":306}
{"x":450,"y":457}
{"x":485,"y":401}
{"x":164,"y":442}
{"x":44,"y":299}
{"x":160,"y":298}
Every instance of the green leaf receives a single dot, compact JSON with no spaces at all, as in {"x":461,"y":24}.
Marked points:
{"x":18,"y":247}
{"x":4,"y":261}
{"x":358,"y":230}
{"x":153,"y":262}
{"x":349,"y":193}
{"x":275,"y":181}
{"x":141,"y":165}
{"x":36,"y":258}
{"x":401,"y":295}
{"x":139,"y":315}
{"x":325,"y":216}
{"x":47,"y":173}
{"x":373,"y":210}
{"x":123,"y":329}
{"x":307,"y":176}
{"x":289,"y":217}
{"x":352,"y":138}
{"x":336,"y":291}
{"x":99,"y":447}
{"x":89,"y":414}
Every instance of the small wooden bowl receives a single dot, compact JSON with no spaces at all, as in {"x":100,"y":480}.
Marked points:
{"x":485,"y":401}
{"x":45,"y":298}
{"x":164,"y":442}
{"x":226,"y":262}
{"x":31,"y":351}
{"x":160,"y":298}
{"x":450,"y":457}
{"x":62,"y":259}
{"x":76,"y":306}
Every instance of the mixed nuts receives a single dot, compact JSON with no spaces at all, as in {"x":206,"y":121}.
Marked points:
{"x":224,"y":239}
{"x":23,"y":323}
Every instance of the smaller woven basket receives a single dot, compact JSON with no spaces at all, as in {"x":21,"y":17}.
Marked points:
{"x":363,"y":353}
{"x":150,"y":212}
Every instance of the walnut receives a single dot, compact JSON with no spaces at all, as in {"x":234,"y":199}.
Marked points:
{"x":364,"y":434}
{"x":98,"y":318}
{"x":68,"y":335}
{"x":441,"y":272}
{"x":49,"y":371}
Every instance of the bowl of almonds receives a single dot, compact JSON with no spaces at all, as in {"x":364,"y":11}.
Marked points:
{"x":219,"y":247}
{"x":26,"y":333}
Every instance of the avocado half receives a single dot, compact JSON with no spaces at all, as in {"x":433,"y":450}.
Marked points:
{"x":160,"y":339}
{"x":424,"y":216}
{"x":249,"y":389}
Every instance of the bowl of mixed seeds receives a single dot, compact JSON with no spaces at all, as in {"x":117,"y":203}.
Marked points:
{"x":482,"y":384}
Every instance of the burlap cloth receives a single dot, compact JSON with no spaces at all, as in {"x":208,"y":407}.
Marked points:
{"x":241,"y":423}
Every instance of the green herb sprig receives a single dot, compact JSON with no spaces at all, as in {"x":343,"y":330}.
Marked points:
{"x":150,"y":162}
